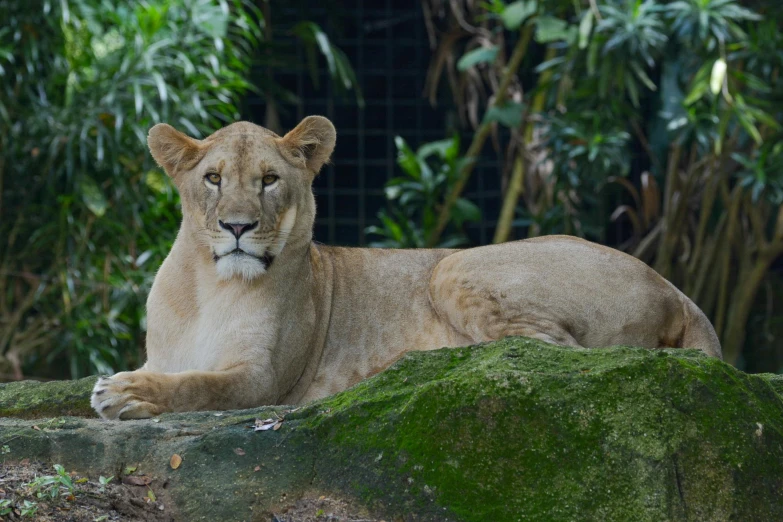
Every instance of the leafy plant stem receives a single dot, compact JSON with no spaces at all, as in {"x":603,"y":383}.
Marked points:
{"x":517,"y":183}
{"x":520,"y":49}
{"x":725,"y":261}
{"x":707,"y":203}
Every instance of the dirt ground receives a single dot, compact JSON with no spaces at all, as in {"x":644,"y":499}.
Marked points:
{"x":130,"y":500}
{"x":90,"y":502}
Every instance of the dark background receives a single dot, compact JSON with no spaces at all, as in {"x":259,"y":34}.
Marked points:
{"x":387,"y":44}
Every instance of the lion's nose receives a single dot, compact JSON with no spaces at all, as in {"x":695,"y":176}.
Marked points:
{"x":238,"y":228}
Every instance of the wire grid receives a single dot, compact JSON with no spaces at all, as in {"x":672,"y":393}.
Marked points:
{"x":387,"y":44}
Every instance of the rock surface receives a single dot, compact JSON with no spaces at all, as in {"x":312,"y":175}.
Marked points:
{"x":511,"y":430}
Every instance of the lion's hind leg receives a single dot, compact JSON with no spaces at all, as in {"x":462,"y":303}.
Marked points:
{"x":485,"y":319}
{"x":481,"y":309}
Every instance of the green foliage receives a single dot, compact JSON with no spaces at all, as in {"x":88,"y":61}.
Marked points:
{"x":337,"y":62}
{"x":477,"y":56}
{"x":85,"y":216}
{"x":587,"y":149}
{"x":54,"y":493}
{"x":416,"y":196}
{"x":51,"y":486}
{"x":6,"y":506}
{"x":515,"y":13}
{"x":28,"y":509}
{"x":708,"y":22}
{"x":762,"y":173}
{"x":104,"y":481}
{"x":509,"y":114}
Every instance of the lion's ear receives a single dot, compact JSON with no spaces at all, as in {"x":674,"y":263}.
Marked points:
{"x":311,"y":142}
{"x":173,"y":150}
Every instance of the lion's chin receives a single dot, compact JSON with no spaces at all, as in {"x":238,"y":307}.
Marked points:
{"x":242,"y":265}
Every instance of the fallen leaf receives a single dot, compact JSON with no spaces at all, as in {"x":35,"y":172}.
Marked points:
{"x":81,"y":480}
{"x":239,"y":451}
{"x":321,"y":497}
{"x":36,"y":428}
{"x":175,"y":461}
{"x":257,"y":468}
{"x":130,"y":469}
{"x":70,"y":498}
{"x":263,"y":425}
{"x":151,"y":495}
{"x":218,"y":414}
{"x":277,"y":425}
{"x":155,"y":420}
{"x":137,"y":480}
{"x":24,"y":462}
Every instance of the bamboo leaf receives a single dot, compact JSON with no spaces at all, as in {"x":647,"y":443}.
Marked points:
{"x":585,"y":28}
{"x":508,"y":114}
{"x":477,"y":56}
{"x":550,"y":29}
{"x":93,"y":196}
{"x":515,"y":13}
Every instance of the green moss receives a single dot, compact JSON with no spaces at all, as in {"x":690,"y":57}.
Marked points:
{"x":30,"y":399}
{"x":558,"y":433}
{"x":774,"y":380}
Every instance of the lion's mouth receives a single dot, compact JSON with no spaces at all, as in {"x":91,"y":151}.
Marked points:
{"x":265,"y":259}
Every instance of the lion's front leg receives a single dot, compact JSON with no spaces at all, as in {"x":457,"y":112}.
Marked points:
{"x":143,"y":394}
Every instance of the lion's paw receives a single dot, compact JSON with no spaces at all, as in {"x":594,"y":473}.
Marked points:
{"x":125,"y":395}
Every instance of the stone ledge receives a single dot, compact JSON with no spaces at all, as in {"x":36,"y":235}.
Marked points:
{"x":511,"y":430}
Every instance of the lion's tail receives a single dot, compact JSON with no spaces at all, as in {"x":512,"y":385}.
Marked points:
{"x":699,"y":332}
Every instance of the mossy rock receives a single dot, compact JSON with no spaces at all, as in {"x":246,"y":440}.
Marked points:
{"x":30,"y":399}
{"x":511,"y":430}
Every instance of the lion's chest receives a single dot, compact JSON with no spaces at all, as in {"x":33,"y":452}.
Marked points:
{"x":222,"y":331}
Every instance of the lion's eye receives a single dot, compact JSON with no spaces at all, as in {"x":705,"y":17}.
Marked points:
{"x":214,"y":178}
{"x":269,"y":179}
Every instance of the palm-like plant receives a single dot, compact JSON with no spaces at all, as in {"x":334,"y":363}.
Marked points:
{"x":631,"y":36}
{"x":708,"y":23}
{"x":417,"y":196}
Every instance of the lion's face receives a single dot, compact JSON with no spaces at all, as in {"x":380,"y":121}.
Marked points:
{"x":245,"y":190}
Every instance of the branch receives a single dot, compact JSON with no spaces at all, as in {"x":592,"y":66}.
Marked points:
{"x":517,"y":183}
{"x":479,"y":138}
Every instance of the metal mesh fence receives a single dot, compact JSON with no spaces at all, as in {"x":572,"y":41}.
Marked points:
{"x":387,"y":44}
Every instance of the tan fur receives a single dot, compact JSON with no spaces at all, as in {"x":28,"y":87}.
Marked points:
{"x":225,"y":331}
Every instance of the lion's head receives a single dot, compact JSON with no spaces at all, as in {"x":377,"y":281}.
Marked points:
{"x":246,"y":192}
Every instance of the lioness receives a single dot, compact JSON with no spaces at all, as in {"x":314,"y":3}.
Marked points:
{"x":246,"y":310}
